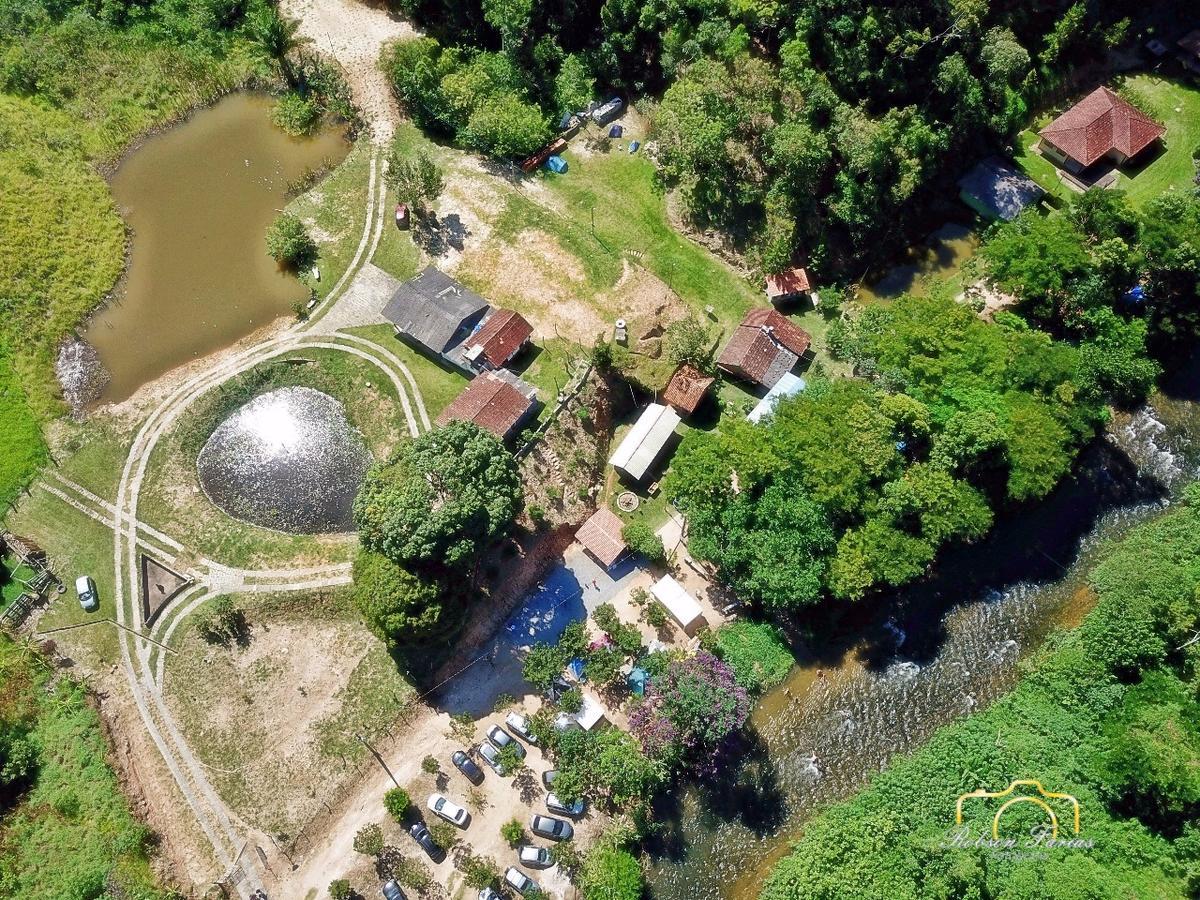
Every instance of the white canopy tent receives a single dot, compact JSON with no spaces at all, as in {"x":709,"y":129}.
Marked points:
{"x":682,"y":606}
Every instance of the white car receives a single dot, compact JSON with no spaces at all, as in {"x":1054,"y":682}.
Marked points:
{"x":86,"y":589}
{"x":518,"y":880}
{"x":520,"y":724}
{"x":449,"y":811}
{"x":574,"y":810}
{"x":535,"y":857}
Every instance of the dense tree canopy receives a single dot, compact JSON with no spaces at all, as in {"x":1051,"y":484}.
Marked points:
{"x":400,"y":607}
{"x":440,"y":499}
{"x":857,"y":482}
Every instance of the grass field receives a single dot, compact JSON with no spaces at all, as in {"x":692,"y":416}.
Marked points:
{"x":1173,"y":103}
{"x":71,"y":834}
{"x":438,"y":386}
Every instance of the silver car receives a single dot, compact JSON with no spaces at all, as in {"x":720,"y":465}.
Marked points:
{"x":501,"y":739}
{"x":550,"y":827}
{"x":86,"y":589}
{"x":520,"y":724}
{"x":491,"y":756}
{"x":535,"y":857}
{"x":519,"y":881}
{"x":574,"y":810}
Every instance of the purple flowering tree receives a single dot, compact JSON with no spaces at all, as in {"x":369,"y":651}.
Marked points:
{"x":690,"y":711}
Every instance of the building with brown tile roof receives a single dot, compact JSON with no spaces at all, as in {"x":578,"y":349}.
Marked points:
{"x":601,"y":536}
{"x":686,"y":389}
{"x":502,"y":336}
{"x":764,"y":347}
{"x":498,"y":402}
{"x":1098,"y":126}
{"x":787,"y":285}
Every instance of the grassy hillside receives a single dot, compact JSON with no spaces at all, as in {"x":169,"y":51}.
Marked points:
{"x":1108,"y":713}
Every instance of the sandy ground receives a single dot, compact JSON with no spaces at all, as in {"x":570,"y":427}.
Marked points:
{"x":354,"y":33}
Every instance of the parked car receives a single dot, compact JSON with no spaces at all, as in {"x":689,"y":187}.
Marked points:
{"x":574,"y":810}
{"x":548,"y":778}
{"x":421,"y":835}
{"x":535,"y":857}
{"x":491,"y":756}
{"x":86,"y":589}
{"x":449,"y":811}
{"x":489,"y":894}
{"x":501,"y":739}
{"x":520,"y":724}
{"x":392,"y":891}
{"x":519,"y":881}
{"x":550,"y":827}
{"x":467,"y":766}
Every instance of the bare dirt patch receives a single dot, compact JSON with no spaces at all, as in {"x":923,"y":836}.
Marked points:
{"x":250,"y":714}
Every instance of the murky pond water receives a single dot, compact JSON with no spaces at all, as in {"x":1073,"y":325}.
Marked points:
{"x":939,"y":258}
{"x":934,"y":653}
{"x":287,"y":460}
{"x":198,"y":199}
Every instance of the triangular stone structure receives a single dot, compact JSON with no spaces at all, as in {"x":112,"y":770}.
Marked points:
{"x":160,"y":585}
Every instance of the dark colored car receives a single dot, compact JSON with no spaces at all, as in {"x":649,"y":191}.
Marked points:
{"x":421,"y":835}
{"x":550,"y":827}
{"x":467,"y":766}
{"x":391,"y":891}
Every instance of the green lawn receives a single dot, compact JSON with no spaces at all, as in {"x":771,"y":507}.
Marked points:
{"x":438,"y":385}
{"x":1170,"y":102}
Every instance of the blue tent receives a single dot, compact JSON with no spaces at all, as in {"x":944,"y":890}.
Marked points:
{"x":556,"y":164}
{"x":637,"y":681}
{"x":575,"y":667}
{"x":616,"y":131}
{"x":633,"y":146}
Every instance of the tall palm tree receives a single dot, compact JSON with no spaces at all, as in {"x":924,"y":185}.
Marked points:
{"x":274,"y":37}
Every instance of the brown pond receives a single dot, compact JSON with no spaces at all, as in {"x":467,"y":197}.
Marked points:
{"x":198,"y":199}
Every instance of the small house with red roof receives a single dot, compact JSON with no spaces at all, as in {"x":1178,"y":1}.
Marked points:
{"x":764,"y":347}
{"x":687,"y":389}
{"x":501,"y":337}
{"x":498,"y":402}
{"x":1101,"y":126}
{"x":788,"y":285}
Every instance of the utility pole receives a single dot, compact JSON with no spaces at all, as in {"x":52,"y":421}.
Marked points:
{"x":362,"y":740}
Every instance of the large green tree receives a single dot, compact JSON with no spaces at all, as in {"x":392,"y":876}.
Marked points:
{"x":440,"y":499}
{"x":400,"y":606}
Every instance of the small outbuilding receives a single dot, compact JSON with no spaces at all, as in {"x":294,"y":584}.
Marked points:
{"x":498,"y":340}
{"x":686,"y":389}
{"x":996,"y":190}
{"x":683,"y":607}
{"x":645,"y":442}
{"x":498,"y":402}
{"x":787,"y":386}
{"x":791,"y":284}
{"x":601,"y":536}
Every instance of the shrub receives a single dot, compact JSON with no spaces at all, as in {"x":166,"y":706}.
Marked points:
{"x":400,"y":606}
{"x":288,"y":242}
{"x":574,"y":639}
{"x":543,"y":663}
{"x":430,"y":765}
{"x":369,"y":840}
{"x":221,"y":621}
{"x":444,"y":835}
{"x":655,"y":614}
{"x":479,"y":871}
{"x":604,"y":666}
{"x":513,"y":831}
{"x":611,"y":874}
{"x":756,"y":651}
{"x":537,"y":514}
{"x":339,"y":889}
{"x":571,"y":701}
{"x":295,"y":114}
{"x":503,"y":702}
{"x":510,"y":759}
{"x":641,"y":539}
{"x":397,"y":802}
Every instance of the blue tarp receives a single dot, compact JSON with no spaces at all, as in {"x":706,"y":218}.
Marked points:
{"x":633,"y":146}
{"x":575,"y":667}
{"x":556,"y":164}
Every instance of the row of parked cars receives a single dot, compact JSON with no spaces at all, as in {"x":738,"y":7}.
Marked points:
{"x":549,"y":827}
